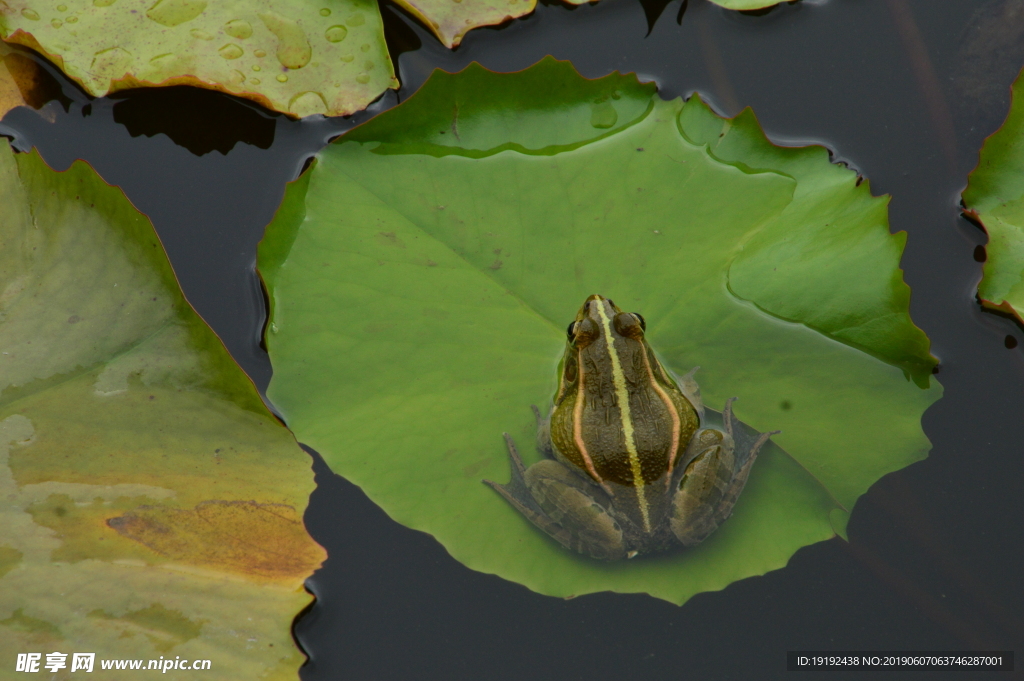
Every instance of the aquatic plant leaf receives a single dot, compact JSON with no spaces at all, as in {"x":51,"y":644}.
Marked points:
{"x":150,"y":504}
{"x":19,"y":81}
{"x":995,"y":198}
{"x":450,"y":20}
{"x":293,"y":56}
{"x":745,"y":5}
{"x":420,"y":293}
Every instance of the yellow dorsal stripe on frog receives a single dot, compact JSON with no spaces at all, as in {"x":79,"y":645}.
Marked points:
{"x":619,"y":379}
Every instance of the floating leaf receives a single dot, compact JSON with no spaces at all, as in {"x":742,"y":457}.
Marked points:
{"x":294,"y":56}
{"x":150,"y":505}
{"x":420,"y":290}
{"x":19,"y":81}
{"x":995,"y":197}
{"x":748,"y":5}
{"x":450,"y":20}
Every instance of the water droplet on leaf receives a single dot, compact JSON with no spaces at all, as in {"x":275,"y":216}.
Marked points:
{"x":238,"y":29}
{"x":357,"y":19}
{"x":254,"y":81}
{"x":62,"y":8}
{"x":325,"y":12}
{"x":231,"y":51}
{"x":363,"y":78}
{"x":112,"y":63}
{"x":260,"y":53}
{"x":347,"y":57}
{"x":282,"y":78}
{"x":255,"y":67}
{"x":335,"y":34}
{"x":103,"y":3}
{"x":200,"y":34}
{"x":56,"y":23}
{"x":174,"y":12}
{"x":30,"y":14}
{"x":71,"y":19}
{"x":237,"y":77}
{"x":307,"y":104}
{"x":603,"y":115}
{"x":365,"y":47}
{"x":293,"y":50}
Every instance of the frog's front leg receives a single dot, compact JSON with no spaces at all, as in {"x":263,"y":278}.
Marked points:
{"x":570,"y":509}
{"x":711,"y":484}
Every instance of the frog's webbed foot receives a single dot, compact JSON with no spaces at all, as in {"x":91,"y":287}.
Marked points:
{"x":746,"y":444}
{"x":714,"y":477}
{"x":516,"y":491}
{"x":563,"y":505}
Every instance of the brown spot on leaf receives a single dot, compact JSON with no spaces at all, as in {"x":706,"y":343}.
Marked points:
{"x":391,"y":239}
{"x":258,"y":540}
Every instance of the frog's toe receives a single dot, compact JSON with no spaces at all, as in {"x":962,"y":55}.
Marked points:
{"x":515,"y":491}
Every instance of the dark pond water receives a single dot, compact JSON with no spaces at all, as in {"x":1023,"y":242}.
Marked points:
{"x":904,"y":91}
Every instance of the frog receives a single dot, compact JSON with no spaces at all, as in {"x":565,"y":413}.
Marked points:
{"x":630,"y":463}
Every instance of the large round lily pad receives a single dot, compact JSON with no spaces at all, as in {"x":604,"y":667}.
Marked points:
{"x":995,"y":197}
{"x":423,"y":271}
{"x":150,"y":505}
{"x":296,"y":56}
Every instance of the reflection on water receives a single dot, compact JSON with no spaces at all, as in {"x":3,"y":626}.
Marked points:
{"x":199,"y":120}
{"x":989,"y":53}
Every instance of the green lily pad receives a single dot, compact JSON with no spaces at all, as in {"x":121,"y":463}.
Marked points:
{"x":420,"y":292}
{"x":295,"y":56}
{"x":151,"y":505}
{"x":995,"y":197}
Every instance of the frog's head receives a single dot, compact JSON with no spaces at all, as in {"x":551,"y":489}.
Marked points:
{"x":599,"y":325}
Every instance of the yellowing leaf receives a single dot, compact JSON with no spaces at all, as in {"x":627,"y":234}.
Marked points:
{"x":450,"y":20}
{"x":18,"y":81}
{"x":293,"y":56}
{"x":150,"y":505}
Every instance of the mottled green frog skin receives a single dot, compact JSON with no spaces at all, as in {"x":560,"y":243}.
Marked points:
{"x":628,"y":468}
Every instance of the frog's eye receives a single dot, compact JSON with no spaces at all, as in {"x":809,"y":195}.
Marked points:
{"x":629,"y":325}
{"x":583,"y":333}
{"x":640,"y":318}
{"x":571,"y":331}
